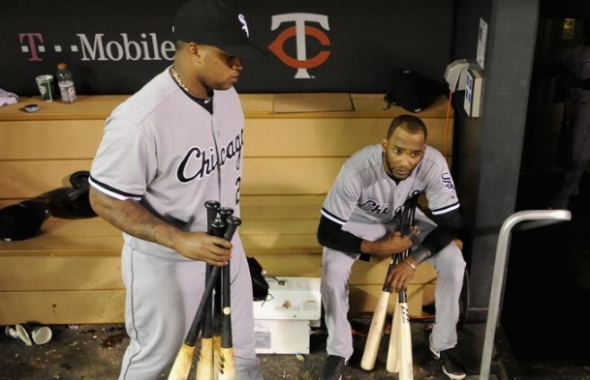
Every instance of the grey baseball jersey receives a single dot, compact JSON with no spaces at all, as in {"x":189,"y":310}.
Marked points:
{"x":364,"y":199}
{"x":172,"y":172}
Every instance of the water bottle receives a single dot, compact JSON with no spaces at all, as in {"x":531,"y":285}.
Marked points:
{"x":66,"y":84}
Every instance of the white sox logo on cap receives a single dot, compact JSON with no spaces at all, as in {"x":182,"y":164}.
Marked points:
{"x":244,"y":24}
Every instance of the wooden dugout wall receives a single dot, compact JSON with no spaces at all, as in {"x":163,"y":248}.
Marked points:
{"x":70,"y":272}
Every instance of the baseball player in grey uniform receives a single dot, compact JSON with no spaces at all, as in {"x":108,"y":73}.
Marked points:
{"x":170,"y":147}
{"x":576,"y":64}
{"x":358,"y":220}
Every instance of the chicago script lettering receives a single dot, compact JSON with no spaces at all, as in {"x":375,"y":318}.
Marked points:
{"x":373,"y":206}
{"x":198,"y":163}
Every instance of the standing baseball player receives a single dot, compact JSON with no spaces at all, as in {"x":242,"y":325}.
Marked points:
{"x":170,"y":147}
{"x":358,"y":221}
{"x":576,"y":67}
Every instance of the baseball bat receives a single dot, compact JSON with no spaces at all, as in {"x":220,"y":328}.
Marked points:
{"x":227,"y":365}
{"x":377,"y":322}
{"x":376,"y":330}
{"x":393,"y":350}
{"x":406,"y":365}
{"x":182,"y":364}
{"x":205,"y":368}
{"x":224,"y":212}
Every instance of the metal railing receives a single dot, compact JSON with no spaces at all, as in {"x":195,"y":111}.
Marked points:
{"x":525,"y":220}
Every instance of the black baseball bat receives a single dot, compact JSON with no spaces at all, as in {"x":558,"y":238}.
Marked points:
{"x":182,"y":364}
{"x":206,"y":362}
{"x":227,"y":365}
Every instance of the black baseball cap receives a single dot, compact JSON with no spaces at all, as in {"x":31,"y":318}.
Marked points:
{"x":214,"y":22}
{"x":23,"y":220}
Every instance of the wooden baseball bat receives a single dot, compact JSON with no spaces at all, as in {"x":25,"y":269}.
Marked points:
{"x":376,"y":330}
{"x":406,"y":364}
{"x":227,"y":364}
{"x":224,"y":212}
{"x":205,"y":368}
{"x":399,"y":355}
{"x":182,"y":364}
{"x":393,"y":350}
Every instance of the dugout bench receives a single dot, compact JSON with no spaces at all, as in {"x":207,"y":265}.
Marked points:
{"x":70,"y":272}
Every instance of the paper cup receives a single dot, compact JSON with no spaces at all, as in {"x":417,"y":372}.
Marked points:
{"x":41,"y":335}
{"x":45,"y":84}
{"x":18,"y":332}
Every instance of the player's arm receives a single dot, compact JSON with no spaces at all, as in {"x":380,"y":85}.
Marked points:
{"x":448,"y":228}
{"x":132,"y":218}
{"x":330,"y":234}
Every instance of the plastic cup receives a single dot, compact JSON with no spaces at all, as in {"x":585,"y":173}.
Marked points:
{"x":45,"y":84}
{"x":18,"y":332}
{"x":41,"y":334}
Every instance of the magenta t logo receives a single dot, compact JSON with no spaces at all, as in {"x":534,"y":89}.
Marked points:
{"x":30,"y":44}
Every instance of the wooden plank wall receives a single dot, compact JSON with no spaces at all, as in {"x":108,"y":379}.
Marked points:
{"x":70,"y":273}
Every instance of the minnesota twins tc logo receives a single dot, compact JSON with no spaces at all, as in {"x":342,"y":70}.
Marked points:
{"x":300,"y":31}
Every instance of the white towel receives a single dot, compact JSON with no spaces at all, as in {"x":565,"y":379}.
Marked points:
{"x":7,"y":98}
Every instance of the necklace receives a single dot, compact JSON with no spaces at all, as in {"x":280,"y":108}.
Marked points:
{"x":183,"y":86}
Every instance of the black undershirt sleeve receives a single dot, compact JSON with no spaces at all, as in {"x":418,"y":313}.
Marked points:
{"x":448,"y":227}
{"x":331,"y":235}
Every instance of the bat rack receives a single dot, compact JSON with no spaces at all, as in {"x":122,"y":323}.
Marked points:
{"x":522,"y":220}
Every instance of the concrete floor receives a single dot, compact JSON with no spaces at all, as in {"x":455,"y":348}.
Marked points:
{"x":93,"y":352}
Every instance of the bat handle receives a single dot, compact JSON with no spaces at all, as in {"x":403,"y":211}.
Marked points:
{"x":191,"y":337}
{"x":233,"y":222}
{"x":227,"y":367}
{"x":225,"y":212}
{"x":212,"y":207}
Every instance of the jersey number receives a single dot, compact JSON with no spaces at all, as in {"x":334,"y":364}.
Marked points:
{"x":238,"y":184}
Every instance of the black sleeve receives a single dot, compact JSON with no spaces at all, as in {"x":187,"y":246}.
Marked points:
{"x":448,"y":227}
{"x":331,"y":235}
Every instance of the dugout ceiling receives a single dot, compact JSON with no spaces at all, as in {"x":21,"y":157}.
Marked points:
{"x":114,"y":47}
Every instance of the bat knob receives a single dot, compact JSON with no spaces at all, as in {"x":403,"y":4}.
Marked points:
{"x":218,"y":227}
{"x":233,"y":222}
{"x":212,"y":205}
{"x":225,"y":212}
